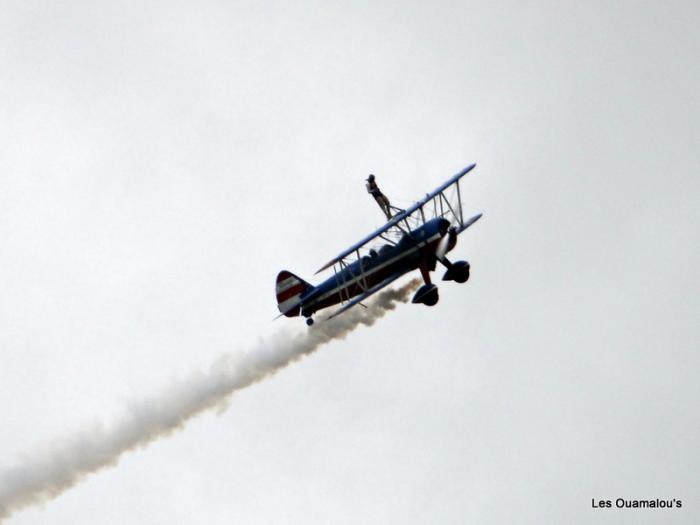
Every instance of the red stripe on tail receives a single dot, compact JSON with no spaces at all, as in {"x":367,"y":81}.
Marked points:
{"x":289,"y":288}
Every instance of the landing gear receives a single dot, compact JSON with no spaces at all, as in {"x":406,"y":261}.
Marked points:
{"x":427,"y":295}
{"x":458,"y":272}
{"x":309,"y":321}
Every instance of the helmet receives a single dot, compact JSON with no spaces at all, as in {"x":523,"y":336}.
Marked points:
{"x":370,"y":178}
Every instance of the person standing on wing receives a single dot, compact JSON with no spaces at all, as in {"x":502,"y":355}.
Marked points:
{"x":381,"y":199}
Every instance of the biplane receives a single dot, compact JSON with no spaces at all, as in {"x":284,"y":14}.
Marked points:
{"x":415,"y":238}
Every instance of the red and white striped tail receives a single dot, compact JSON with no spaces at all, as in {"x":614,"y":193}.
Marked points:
{"x":289,"y":288}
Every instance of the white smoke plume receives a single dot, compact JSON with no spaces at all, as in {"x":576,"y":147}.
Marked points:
{"x":47,"y":474}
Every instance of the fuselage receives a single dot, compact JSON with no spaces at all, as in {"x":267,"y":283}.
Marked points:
{"x":415,"y":249}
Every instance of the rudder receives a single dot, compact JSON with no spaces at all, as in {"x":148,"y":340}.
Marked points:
{"x":289,"y":289}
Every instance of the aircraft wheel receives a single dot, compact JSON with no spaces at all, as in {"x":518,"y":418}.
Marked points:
{"x":427,"y":295}
{"x":309,"y":321}
{"x":432,"y":299}
{"x":463,"y":277}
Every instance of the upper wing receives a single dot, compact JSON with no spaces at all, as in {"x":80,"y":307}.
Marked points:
{"x":396,"y":219}
{"x":366,"y":294}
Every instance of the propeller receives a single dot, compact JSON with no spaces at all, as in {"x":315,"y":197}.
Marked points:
{"x":457,"y":271}
{"x":444,"y":245}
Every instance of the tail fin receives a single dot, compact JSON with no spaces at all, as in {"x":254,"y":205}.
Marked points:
{"x":289,"y":290}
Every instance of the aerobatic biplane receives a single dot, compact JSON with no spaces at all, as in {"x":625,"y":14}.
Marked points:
{"x":415,"y":238}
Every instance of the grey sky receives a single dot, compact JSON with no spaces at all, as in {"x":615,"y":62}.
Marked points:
{"x":162,"y":161}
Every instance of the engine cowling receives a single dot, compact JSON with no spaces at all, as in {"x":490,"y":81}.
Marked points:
{"x":458,"y":272}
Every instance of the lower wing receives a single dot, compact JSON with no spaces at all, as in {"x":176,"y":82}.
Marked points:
{"x":365,"y":295}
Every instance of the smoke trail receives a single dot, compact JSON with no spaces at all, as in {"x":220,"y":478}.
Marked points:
{"x":48,"y":474}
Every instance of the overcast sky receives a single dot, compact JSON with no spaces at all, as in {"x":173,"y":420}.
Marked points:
{"x":162,"y":161}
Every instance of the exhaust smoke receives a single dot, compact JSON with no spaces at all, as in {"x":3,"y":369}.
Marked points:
{"x":48,"y":473}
